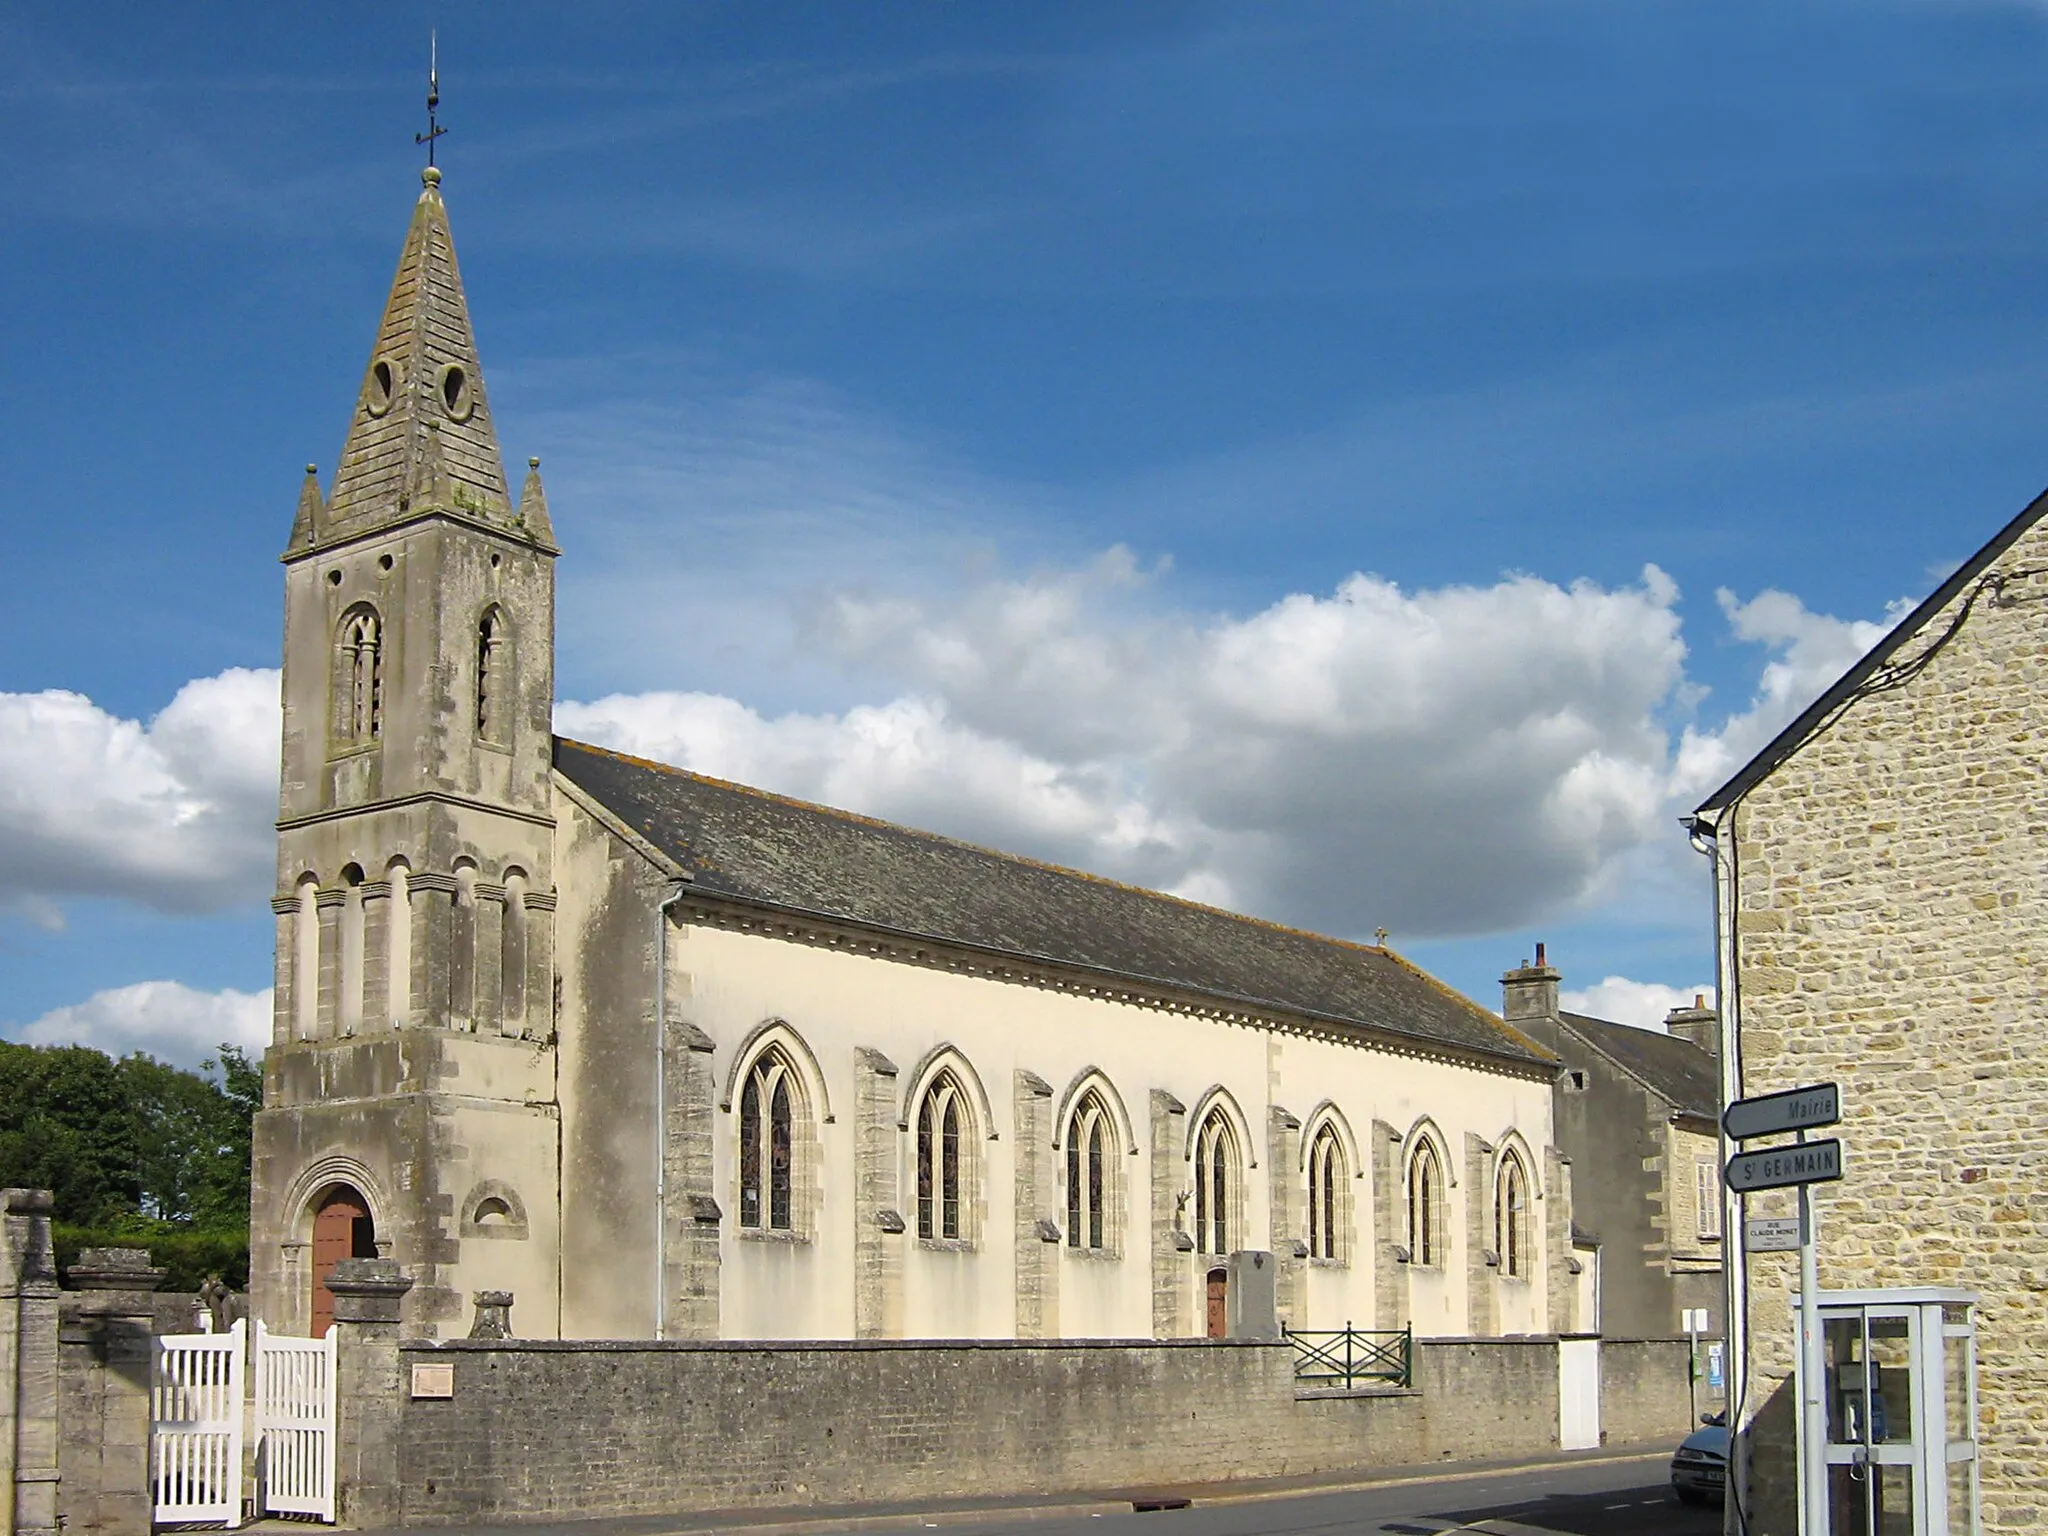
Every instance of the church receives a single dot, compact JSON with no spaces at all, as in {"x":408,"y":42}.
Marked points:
{"x":672,"y":1058}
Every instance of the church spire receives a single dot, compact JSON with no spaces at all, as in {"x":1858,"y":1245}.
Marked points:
{"x":421,"y":437}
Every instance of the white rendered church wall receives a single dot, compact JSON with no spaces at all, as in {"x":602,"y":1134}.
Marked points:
{"x":839,"y":1001}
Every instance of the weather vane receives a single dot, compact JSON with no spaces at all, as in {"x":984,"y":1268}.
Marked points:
{"x":434,"y":129}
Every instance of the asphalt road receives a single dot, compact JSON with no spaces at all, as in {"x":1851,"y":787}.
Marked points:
{"x":1592,"y":1499}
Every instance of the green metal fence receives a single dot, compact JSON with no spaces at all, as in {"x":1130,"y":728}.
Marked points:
{"x":1352,"y":1357}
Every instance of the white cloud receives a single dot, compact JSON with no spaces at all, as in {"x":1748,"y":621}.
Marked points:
{"x":174,"y":814}
{"x":1809,"y":652}
{"x":1445,"y":761}
{"x":165,"y":1019}
{"x":1641,"y":1003}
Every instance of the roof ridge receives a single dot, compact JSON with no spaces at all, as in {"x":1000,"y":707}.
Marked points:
{"x":1025,"y":860}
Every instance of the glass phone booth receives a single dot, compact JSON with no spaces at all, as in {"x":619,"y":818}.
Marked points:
{"x":1900,"y":1396}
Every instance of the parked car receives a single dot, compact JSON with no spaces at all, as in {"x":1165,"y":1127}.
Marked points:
{"x":1699,"y":1470}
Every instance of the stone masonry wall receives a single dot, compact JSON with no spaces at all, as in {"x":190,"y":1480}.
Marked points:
{"x":553,"y":1428}
{"x":1890,"y":922}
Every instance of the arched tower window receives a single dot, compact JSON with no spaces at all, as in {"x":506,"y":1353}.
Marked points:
{"x":943,"y":1123}
{"x":359,"y":678}
{"x":768,"y":1108}
{"x":1425,"y":1197}
{"x":493,"y":676}
{"x":1511,"y":1218}
{"x":1327,"y":1173}
{"x":1216,"y":1184}
{"x":1089,"y":1174}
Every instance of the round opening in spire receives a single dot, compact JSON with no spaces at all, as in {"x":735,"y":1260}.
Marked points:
{"x":455,"y":392}
{"x":382,"y":386}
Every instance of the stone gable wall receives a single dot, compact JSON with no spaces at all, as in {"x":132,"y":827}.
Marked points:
{"x":1891,"y":930}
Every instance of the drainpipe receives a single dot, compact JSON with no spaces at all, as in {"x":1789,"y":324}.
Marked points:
{"x":1717,"y":840}
{"x":677,"y":889}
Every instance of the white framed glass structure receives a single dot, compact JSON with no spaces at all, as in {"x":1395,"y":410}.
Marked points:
{"x":1899,"y":1395}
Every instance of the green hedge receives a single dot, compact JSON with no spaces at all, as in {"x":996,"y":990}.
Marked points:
{"x":188,"y":1256}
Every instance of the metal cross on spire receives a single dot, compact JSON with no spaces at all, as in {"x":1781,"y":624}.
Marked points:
{"x":434,"y":129}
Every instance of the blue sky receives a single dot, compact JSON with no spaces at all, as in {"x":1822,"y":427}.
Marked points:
{"x":1219,"y":445}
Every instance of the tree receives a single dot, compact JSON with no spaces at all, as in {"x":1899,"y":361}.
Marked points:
{"x":137,"y":1152}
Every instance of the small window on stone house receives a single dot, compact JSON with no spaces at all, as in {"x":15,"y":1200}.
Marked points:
{"x":1327,"y":1173}
{"x":942,"y":1129}
{"x":359,"y":678}
{"x":1706,"y":1177}
{"x":1089,"y":1173}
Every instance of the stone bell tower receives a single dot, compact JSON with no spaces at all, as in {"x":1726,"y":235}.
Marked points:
{"x":409,"y":1092}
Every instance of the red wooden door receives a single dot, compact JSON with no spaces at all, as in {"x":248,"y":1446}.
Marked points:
{"x":342,"y":1229}
{"x":1219,"y":1320}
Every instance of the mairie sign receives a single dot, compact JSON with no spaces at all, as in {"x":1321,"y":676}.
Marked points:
{"x":1796,"y":1109}
{"x":1810,"y":1162}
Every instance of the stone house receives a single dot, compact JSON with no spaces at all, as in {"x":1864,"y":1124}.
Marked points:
{"x":1638,"y":1115}
{"x":1880,"y":887}
{"x":673,"y":1058}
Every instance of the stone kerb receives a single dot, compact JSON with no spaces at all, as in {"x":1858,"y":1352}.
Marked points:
{"x":106,"y":1339}
{"x":28,"y":1365}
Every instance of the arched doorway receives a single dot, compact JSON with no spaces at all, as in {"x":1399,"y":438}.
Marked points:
{"x":1219,"y":1312}
{"x":342,"y":1229}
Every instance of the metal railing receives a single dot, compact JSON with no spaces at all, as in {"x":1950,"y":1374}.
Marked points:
{"x":1351,"y":1357}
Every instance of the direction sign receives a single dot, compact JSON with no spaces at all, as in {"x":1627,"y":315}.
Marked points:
{"x":1809,"y":1162}
{"x":1796,"y":1109}
{"x":1771,"y":1234}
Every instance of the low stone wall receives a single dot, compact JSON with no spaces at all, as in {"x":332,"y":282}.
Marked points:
{"x":565,"y":1428}
{"x":1643,"y":1393}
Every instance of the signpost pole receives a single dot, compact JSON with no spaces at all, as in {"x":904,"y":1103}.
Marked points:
{"x":1813,"y":1513}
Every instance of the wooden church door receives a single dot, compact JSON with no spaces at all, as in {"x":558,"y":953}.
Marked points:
{"x":1219,"y":1316}
{"x":342,"y":1229}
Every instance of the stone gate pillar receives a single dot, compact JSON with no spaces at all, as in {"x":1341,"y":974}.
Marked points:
{"x":105,"y":1339}
{"x":28,"y":1366}
{"x":369,"y":1396}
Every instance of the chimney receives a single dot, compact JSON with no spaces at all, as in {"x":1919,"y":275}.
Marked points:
{"x":1699,"y":1024}
{"x":1530,"y":991}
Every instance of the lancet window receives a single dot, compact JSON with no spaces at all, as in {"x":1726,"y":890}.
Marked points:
{"x":1425,"y":1196}
{"x":493,"y":675}
{"x":359,"y":678}
{"x":1511,"y":1217}
{"x":1089,"y":1172}
{"x":1216,"y":1184}
{"x":1326,"y":1190}
{"x":768,"y":1107}
{"x":942,"y":1122}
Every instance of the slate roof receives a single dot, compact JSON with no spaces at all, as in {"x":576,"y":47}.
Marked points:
{"x":763,"y":849}
{"x":1676,"y":1069}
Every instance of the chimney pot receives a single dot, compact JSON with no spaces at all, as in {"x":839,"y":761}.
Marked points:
{"x":1539,"y":954}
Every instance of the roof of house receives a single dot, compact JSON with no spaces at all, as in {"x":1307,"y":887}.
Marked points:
{"x":1676,"y":1070}
{"x":754,"y":847}
{"x":1824,"y":708}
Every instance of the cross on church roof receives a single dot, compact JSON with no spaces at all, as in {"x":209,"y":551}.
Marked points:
{"x":434,"y":129}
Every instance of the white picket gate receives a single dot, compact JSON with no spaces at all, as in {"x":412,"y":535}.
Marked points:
{"x":295,"y":1423}
{"x":195,"y":1443}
